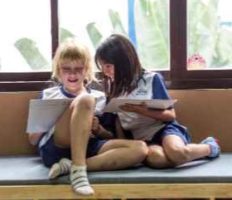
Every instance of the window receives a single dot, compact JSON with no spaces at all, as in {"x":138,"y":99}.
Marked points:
{"x":180,"y":77}
{"x":25,"y":36}
{"x":144,"y":21}
{"x":209,"y":35}
{"x":25,"y":50}
{"x":168,"y":34}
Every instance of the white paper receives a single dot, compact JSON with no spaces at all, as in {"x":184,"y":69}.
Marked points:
{"x":115,"y":103}
{"x":43,"y":113}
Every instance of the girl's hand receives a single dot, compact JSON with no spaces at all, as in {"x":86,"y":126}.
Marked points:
{"x":99,"y":131}
{"x":95,"y":125}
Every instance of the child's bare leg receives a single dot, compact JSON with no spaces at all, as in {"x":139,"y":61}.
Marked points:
{"x":157,"y":158}
{"x":180,"y":153}
{"x":174,"y":152}
{"x":118,"y":154}
{"x":80,"y":127}
{"x":115,"y":154}
{"x":73,"y":129}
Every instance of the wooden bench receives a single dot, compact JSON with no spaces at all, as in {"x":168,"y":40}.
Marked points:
{"x":204,"y":112}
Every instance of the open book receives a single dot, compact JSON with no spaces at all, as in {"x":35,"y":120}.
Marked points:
{"x":43,"y":113}
{"x":115,"y":103}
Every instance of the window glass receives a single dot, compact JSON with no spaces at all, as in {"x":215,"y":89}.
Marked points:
{"x":25,"y":36}
{"x":209,"y":34}
{"x":144,"y":21}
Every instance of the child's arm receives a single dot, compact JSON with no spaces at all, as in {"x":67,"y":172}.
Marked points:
{"x":162,"y":115}
{"x":34,"y":138}
{"x":159,"y":91}
{"x":99,"y":131}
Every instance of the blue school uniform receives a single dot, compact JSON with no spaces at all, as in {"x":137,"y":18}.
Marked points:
{"x":49,"y":152}
{"x":150,"y":86}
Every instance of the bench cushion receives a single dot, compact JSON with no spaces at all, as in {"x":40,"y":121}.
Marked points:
{"x":30,"y":170}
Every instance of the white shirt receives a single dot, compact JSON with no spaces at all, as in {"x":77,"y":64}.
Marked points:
{"x":58,"y":92}
{"x":141,"y":127}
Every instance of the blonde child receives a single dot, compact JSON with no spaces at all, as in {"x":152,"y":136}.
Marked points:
{"x":71,"y":136}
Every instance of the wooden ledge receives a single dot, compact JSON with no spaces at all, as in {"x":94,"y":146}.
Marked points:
{"x":120,"y":191}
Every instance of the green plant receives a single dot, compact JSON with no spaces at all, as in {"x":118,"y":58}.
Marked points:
{"x":152,"y":35}
{"x":64,"y":34}
{"x":94,"y":34}
{"x":31,"y":54}
{"x":205,"y":35}
{"x":151,"y":32}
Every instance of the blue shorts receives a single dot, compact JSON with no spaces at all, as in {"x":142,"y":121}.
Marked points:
{"x":171,"y":128}
{"x":50,"y":153}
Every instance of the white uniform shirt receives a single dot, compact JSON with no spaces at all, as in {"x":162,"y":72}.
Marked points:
{"x":140,"y":126}
{"x":58,"y":92}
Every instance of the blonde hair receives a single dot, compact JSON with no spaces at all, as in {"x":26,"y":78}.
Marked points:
{"x":72,"y":50}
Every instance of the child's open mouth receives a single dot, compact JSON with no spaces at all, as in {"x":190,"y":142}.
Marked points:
{"x":72,"y":80}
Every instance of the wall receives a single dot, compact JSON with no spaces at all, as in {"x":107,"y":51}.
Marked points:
{"x":204,"y":112}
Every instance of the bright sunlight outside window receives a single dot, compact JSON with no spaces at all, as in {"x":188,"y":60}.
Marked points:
{"x":25,"y":36}
{"x":144,"y":21}
{"x":209,"y":34}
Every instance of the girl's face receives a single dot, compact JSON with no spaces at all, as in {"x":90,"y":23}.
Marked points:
{"x":107,"y":69}
{"x":72,"y":75}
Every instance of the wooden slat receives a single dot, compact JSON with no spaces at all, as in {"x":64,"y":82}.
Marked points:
{"x":119,"y":191}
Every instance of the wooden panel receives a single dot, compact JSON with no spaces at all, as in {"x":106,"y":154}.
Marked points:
{"x":206,"y":112}
{"x":120,"y":191}
{"x":13,"y":119}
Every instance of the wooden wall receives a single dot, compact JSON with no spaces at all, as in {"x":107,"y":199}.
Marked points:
{"x":204,"y":112}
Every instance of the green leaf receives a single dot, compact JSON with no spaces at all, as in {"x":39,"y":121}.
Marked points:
{"x":94,"y":34}
{"x":222,"y":56}
{"x":152,"y":32}
{"x":116,"y":22}
{"x":204,"y":31}
{"x":64,"y":34}
{"x":31,"y":54}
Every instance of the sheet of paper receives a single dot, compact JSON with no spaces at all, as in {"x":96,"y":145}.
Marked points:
{"x":115,"y":103}
{"x":43,"y":113}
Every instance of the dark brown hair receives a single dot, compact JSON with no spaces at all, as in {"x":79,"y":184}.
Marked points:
{"x":119,"y":51}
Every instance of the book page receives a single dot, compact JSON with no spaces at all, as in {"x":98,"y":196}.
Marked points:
{"x":115,"y":103}
{"x":43,"y":113}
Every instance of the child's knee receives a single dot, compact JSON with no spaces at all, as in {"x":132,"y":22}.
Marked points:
{"x":86,"y":102}
{"x":156,"y":158}
{"x":141,"y":148}
{"x":178,"y":154}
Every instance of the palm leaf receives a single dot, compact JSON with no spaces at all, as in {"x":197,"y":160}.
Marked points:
{"x":152,"y":34}
{"x":116,"y":22}
{"x":31,"y":54}
{"x":94,"y":34}
{"x":64,"y":34}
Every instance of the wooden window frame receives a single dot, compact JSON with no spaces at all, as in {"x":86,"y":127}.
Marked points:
{"x":178,"y":77}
